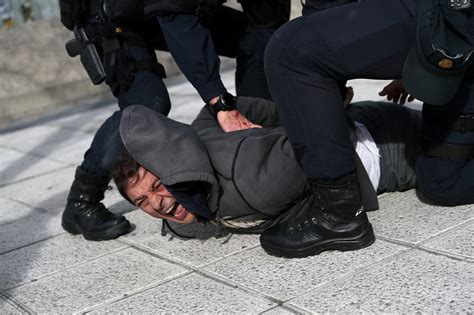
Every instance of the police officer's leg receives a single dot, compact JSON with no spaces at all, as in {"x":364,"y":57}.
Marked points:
{"x":84,"y":212}
{"x":446,"y":175}
{"x":303,"y":62}
{"x":265,"y":17}
{"x":235,"y":37}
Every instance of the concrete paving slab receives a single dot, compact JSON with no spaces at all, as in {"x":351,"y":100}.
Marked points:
{"x":284,"y":278}
{"x":410,"y":283}
{"x":48,"y":191}
{"x":192,"y":294}
{"x":29,"y":263}
{"x":88,"y":121}
{"x":459,"y":241}
{"x":94,"y":282}
{"x":35,"y":226}
{"x":198,"y":252}
{"x":9,"y":308}
{"x":70,"y":151}
{"x":146,"y":226}
{"x":28,"y":138}
{"x":15,"y":166}
{"x":403,"y":217}
{"x":12,"y":210}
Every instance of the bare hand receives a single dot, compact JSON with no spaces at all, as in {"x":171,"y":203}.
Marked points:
{"x":349,"y":96}
{"x":395,"y":92}
{"x":233,"y":121}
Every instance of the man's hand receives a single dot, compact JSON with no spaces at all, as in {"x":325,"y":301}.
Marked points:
{"x":349,"y":96}
{"x":395,"y":92}
{"x":233,"y":121}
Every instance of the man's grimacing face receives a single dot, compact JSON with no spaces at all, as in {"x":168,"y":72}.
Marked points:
{"x":147,"y":192}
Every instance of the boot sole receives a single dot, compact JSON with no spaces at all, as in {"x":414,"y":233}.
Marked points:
{"x":366,"y":239}
{"x":111,"y":233}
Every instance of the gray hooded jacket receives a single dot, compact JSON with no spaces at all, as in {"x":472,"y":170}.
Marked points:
{"x":253,"y":174}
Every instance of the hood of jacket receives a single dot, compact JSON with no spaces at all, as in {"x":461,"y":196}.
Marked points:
{"x":156,"y":142}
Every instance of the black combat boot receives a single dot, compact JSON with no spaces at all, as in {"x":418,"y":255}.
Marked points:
{"x":85,"y":214}
{"x":334,"y":219}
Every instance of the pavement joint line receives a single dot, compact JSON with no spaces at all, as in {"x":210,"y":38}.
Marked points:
{"x":236,"y":285}
{"x":454,"y":256}
{"x":68,"y":267}
{"x":31,"y":153}
{"x":297,"y":309}
{"x":420,"y":246}
{"x":134,"y":292}
{"x":353,"y":272}
{"x":209,"y":274}
{"x":290,"y":307}
{"x":157,"y":254}
{"x":14,"y":302}
{"x":396,"y":241}
{"x":35,"y":154}
{"x":32,"y":243}
{"x":447,"y":230}
{"x":34,"y":176}
{"x":40,"y":209}
{"x":144,"y":249}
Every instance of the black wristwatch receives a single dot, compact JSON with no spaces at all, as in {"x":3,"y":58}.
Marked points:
{"x":226,"y":102}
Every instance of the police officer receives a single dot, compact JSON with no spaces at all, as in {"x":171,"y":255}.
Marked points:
{"x":124,"y":33}
{"x":305,"y":60}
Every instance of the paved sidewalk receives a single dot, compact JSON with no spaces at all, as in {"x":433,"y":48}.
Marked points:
{"x":422,"y":261}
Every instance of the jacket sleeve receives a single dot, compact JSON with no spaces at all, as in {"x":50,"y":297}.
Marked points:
{"x":206,"y":124}
{"x":259,"y":111}
{"x":192,"y":48}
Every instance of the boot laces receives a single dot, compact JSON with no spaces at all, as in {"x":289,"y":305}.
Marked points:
{"x":97,"y":210}
{"x":309,"y":218}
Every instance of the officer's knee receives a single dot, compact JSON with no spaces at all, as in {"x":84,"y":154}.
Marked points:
{"x":285,"y":50}
{"x":445,"y":182}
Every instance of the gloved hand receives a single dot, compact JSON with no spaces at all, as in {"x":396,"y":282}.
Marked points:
{"x":117,"y":69}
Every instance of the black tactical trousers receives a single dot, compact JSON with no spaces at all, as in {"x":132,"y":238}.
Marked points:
{"x":370,"y":39}
{"x":448,"y":181}
{"x":146,"y":89}
{"x":306,"y":58}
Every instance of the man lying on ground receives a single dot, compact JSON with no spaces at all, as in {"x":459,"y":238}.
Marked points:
{"x":249,"y":179}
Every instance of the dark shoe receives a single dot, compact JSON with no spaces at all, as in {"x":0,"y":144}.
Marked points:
{"x":85,"y":214}
{"x":333,"y":220}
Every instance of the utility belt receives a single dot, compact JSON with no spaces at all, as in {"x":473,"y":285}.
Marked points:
{"x":459,"y":123}
{"x":430,"y":147}
{"x":104,"y":53}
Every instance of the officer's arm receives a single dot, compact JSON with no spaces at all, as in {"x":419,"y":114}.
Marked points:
{"x":192,"y":47}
